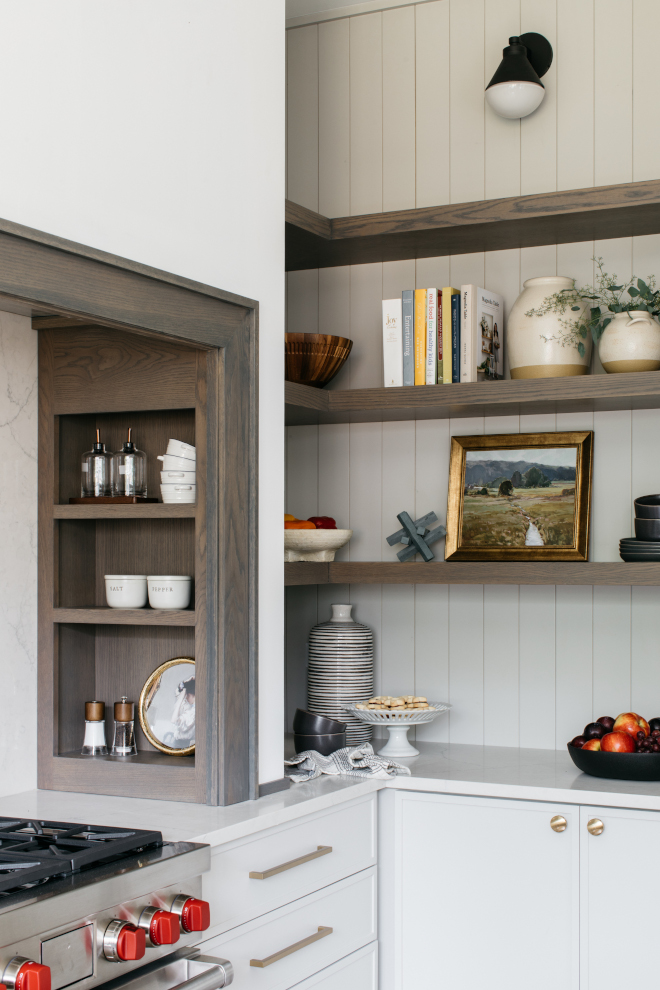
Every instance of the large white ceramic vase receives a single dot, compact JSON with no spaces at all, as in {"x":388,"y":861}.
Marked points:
{"x":340,"y":671}
{"x":631,"y":342}
{"x":534,"y":351}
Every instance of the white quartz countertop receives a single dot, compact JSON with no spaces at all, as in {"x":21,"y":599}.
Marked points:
{"x":488,"y":771}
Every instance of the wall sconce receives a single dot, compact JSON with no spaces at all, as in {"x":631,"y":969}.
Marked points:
{"x":516,"y":89}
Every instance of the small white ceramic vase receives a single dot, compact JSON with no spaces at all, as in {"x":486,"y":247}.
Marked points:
{"x":534,"y":351}
{"x":631,"y":342}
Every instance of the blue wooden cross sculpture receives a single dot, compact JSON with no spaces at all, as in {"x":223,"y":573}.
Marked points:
{"x":416,"y":536}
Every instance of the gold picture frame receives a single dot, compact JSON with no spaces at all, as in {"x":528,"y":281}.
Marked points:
{"x":147,"y":695}
{"x":463,"y":544}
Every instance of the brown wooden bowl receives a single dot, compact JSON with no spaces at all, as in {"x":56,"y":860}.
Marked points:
{"x":315,"y":358}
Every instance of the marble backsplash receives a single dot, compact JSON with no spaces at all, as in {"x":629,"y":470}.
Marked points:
{"x":18,"y":553}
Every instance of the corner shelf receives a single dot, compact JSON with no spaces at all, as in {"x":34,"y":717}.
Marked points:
{"x":587,"y":393}
{"x":125,"y":616}
{"x":473,"y":572}
{"x":600,"y":212}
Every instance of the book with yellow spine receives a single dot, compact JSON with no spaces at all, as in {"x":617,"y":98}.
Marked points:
{"x":420,"y":336}
{"x":446,"y":333}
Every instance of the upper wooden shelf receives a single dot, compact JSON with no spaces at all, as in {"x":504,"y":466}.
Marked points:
{"x":472,"y":572}
{"x":148,"y":510}
{"x":315,"y":241}
{"x":588,"y":393}
{"x":103,"y":616}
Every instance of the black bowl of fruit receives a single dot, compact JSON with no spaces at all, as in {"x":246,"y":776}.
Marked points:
{"x":625,"y":748}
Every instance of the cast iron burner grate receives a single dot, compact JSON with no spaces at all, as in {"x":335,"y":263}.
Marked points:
{"x":33,"y":851}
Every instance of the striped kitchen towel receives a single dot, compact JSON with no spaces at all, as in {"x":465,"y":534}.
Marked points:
{"x":353,"y":761}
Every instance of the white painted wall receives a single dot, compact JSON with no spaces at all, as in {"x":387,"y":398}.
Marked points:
{"x":154,"y":130}
{"x":386,"y":111}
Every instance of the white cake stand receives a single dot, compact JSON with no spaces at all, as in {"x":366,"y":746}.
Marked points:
{"x":397,"y":723}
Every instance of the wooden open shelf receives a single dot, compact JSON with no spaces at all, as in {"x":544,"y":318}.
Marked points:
{"x":624,"y":210}
{"x":149,"y":510}
{"x":472,"y":572}
{"x":588,"y":393}
{"x":126,"y":616}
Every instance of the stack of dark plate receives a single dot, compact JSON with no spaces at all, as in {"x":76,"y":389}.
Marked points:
{"x":646,"y":545}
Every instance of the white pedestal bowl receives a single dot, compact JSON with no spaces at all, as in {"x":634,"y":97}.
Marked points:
{"x":398,"y":723}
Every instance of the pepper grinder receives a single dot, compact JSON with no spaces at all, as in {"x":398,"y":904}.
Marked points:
{"x":124,"y":741}
{"x":96,"y":471}
{"x":129,"y":470}
{"x":94,"y":742}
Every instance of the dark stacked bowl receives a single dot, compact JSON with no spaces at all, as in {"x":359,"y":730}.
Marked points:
{"x":645,"y":546}
{"x":317,"y":732}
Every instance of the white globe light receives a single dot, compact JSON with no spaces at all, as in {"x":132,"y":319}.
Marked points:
{"x":515,"y":99}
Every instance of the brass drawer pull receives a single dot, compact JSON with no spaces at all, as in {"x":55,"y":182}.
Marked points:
{"x":276,"y":956}
{"x":558,"y":823}
{"x":320,"y":851}
{"x":595,"y":826}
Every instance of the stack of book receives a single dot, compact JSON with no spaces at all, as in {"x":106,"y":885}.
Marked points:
{"x":443,"y":336}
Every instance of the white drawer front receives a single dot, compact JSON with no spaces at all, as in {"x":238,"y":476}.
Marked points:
{"x":235,"y":897}
{"x":348,"y":907}
{"x":359,"y":971}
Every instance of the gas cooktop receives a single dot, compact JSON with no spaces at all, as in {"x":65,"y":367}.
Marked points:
{"x":33,"y":851}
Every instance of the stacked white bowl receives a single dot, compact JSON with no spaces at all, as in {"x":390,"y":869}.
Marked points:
{"x":179,"y":475}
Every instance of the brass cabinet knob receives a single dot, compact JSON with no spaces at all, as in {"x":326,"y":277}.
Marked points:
{"x":558,"y":823}
{"x":595,"y":826}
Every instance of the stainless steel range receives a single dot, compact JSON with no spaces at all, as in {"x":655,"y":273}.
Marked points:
{"x":83,"y":905}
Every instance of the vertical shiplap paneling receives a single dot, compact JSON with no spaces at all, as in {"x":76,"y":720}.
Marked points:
{"x":466,"y":642}
{"x":466,"y":663}
{"x":502,"y":136}
{"x":399,"y":108}
{"x":397,"y":488}
{"x":367,"y":608}
{"x":334,"y":119}
{"x":366,"y":108}
{"x":538,"y":132}
{"x":334,"y":295}
{"x":302,"y":116}
{"x":613,"y":92}
{"x":574,"y":54}
{"x":536,"y":678}
{"x":611,"y":672}
{"x":333,"y":475}
{"x":466,"y":100}
{"x":364,"y":490}
{"x":432,"y":103}
{"x":302,"y":471}
{"x":645,"y":651}
{"x":575,"y":647}
{"x":301,"y":615}
{"x":646,"y":141}
{"x":366,"y":294}
{"x":432,"y":654}
{"x":574,"y":664}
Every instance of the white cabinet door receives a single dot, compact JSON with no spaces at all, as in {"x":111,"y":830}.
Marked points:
{"x":477,"y":892}
{"x":620,"y":875}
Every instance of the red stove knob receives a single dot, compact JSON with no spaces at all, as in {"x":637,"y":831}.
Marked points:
{"x":162,"y":927}
{"x":123,"y":942}
{"x":195,"y":914}
{"x":24,"y":974}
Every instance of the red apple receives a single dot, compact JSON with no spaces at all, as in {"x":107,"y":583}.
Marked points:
{"x":632,"y":723}
{"x":617,"y":742}
{"x":578,"y":742}
{"x":323,"y":522}
{"x":595,"y":744}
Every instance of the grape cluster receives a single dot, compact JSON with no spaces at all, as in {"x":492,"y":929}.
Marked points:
{"x":648,"y":744}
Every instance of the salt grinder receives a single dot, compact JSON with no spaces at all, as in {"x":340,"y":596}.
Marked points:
{"x":124,"y":741}
{"x":94,"y":742}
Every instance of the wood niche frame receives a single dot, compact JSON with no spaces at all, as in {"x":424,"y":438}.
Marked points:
{"x":64,"y":286}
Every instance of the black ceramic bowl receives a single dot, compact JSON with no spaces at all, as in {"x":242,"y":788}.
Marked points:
{"x":648,"y":507}
{"x":324,"y":744}
{"x":308,"y":724}
{"x":619,"y":766}
{"x":648,"y":529}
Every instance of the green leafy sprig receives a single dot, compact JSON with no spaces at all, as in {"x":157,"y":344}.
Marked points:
{"x":608,"y":297}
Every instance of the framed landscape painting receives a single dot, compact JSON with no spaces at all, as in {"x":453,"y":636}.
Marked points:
{"x":519,"y":496}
